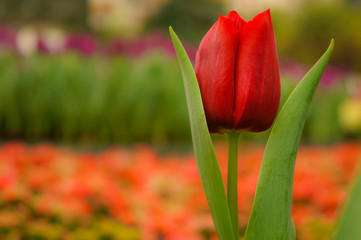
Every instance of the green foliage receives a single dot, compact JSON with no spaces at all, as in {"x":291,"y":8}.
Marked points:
{"x":206,"y":159}
{"x":121,"y":100}
{"x":191,"y":18}
{"x":348,"y":226}
{"x":71,"y":98}
{"x":43,"y":229}
{"x":321,"y":21}
{"x":70,"y":13}
{"x":271,"y":211}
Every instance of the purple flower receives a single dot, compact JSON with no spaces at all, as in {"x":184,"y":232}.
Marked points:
{"x":332,"y":75}
{"x":82,"y":43}
{"x":7,"y":37}
{"x":154,"y":41}
{"x":296,"y":71}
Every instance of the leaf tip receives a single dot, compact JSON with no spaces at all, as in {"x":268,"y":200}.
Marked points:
{"x":173,"y":35}
{"x":330,"y":48}
{"x":332,"y":43}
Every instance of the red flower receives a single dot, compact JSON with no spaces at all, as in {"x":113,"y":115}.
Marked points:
{"x":238,"y":73}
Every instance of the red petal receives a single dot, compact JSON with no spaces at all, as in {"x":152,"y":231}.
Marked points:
{"x":257,"y":75}
{"x":238,"y":21}
{"x":215,"y":63}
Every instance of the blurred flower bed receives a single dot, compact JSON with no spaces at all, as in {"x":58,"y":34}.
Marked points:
{"x":49,"y":192}
{"x":72,"y":88}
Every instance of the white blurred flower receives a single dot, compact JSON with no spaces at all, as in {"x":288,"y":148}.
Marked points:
{"x":27,"y":41}
{"x":54,"y":40}
{"x":122,"y":16}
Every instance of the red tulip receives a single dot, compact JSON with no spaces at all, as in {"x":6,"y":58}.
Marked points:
{"x":238,"y":73}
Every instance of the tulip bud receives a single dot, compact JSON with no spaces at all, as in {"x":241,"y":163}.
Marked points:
{"x":238,"y":73}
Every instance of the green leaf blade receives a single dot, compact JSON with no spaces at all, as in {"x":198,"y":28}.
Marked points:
{"x":271,"y":211}
{"x":348,"y":226}
{"x":206,"y":160}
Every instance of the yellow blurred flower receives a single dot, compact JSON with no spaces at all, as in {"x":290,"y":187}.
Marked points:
{"x":350,"y":114}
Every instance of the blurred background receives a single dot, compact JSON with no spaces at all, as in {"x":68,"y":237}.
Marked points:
{"x":93,"y":118}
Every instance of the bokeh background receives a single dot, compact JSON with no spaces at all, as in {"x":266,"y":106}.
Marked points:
{"x":94,"y":131}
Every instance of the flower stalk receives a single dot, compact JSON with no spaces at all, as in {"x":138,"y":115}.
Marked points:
{"x":232,"y":186}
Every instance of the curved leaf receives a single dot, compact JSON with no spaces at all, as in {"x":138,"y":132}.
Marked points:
{"x":271,"y":212}
{"x":349,"y":225}
{"x":207,"y":163}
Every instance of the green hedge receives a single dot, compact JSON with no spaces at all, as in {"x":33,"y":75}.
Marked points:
{"x":71,"y":97}
{"x":118,"y":100}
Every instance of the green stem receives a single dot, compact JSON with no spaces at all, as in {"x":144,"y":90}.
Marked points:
{"x":232,"y":189}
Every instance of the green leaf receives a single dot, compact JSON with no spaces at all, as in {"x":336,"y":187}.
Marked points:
{"x":271,"y":211}
{"x":349,"y":225}
{"x":207,"y":163}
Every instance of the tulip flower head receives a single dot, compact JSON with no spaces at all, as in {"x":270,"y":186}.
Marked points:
{"x":238,"y":73}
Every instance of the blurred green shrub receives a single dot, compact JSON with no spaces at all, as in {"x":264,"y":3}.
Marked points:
{"x":190,"y":18}
{"x":300,"y":34}
{"x":99,"y":99}
{"x":70,"y":97}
